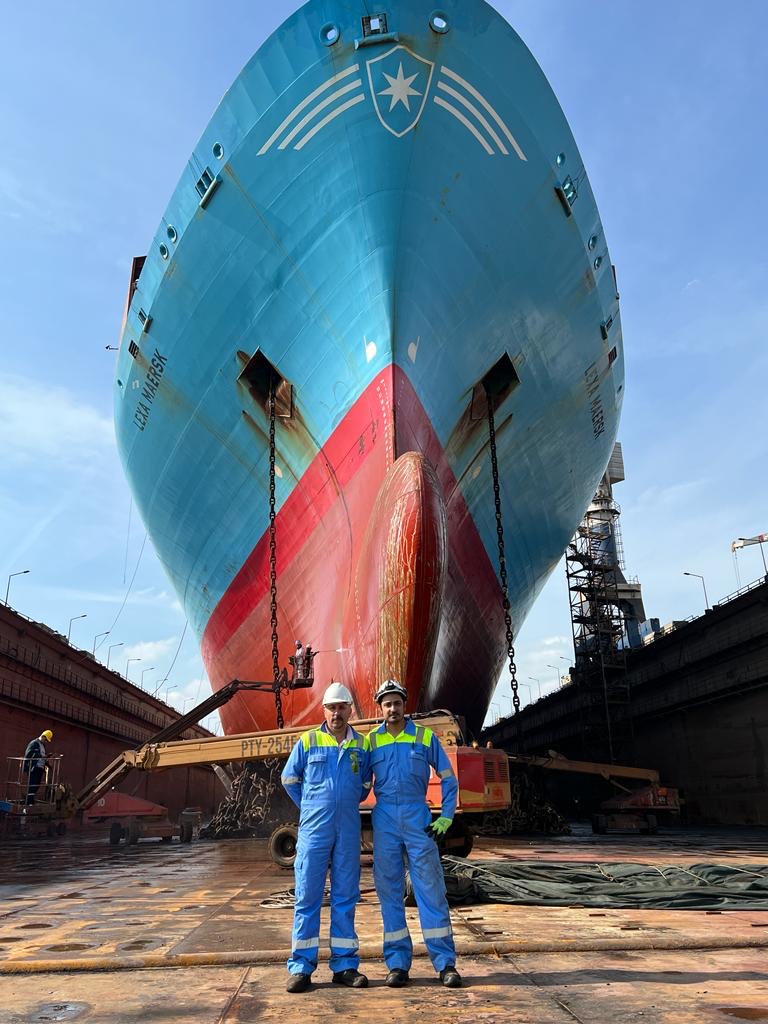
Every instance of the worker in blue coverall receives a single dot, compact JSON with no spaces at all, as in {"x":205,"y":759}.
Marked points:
{"x":327,"y":775}
{"x":402,"y":754}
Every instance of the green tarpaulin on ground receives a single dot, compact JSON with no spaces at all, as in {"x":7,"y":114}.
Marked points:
{"x":619,"y":885}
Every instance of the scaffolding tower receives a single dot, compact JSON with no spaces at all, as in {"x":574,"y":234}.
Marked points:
{"x":606,"y":612}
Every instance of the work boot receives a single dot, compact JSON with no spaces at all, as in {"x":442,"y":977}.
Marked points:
{"x":397,"y":978}
{"x":298,"y":983}
{"x":350,"y":977}
{"x":450,"y":977}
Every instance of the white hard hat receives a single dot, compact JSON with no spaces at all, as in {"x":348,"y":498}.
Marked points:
{"x":337,"y":694}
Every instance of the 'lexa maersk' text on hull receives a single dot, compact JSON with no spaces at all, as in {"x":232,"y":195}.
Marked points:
{"x":152,"y":382}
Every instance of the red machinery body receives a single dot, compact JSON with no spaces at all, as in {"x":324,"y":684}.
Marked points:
{"x":483,"y":776}
{"x":648,"y":798}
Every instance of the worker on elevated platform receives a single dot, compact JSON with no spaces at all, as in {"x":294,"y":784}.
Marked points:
{"x":35,"y":764}
{"x":402,"y":754}
{"x":327,"y":775}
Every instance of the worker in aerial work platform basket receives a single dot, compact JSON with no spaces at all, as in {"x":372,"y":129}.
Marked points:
{"x":35,"y":763}
{"x":402,"y":754}
{"x":327,"y":775}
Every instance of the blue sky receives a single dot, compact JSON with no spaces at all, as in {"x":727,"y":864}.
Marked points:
{"x":100,"y":106}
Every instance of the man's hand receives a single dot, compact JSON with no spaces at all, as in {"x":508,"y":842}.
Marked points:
{"x":441,"y":826}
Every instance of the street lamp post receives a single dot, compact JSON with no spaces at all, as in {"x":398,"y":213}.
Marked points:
{"x":214,"y":724}
{"x":128,"y":662}
{"x":111,"y":648}
{"x":74,"y":619}
{"x":168,"y":690}
{"x":144,"y":672}
{"x":700,"y":577}
{"x":557,"y":669}
{"x":159,"y":686}
{"x":538,"y":683}
{"x":511,"y":703}
{"x":529,"y":688}
{"x":105,"y":633}
{"x":21,"y":572}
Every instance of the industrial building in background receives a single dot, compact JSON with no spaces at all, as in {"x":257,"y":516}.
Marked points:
{"x":607,"y":615}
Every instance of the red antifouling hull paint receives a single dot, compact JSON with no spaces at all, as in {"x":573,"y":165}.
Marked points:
{"x":379,"y":567}
{"x":393,"y":618}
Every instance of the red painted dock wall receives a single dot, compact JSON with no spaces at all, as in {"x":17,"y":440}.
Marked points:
{"x":94,"y":714}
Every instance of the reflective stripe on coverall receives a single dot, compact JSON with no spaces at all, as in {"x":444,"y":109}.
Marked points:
{"x":401,"y":767}
{"x":327,"y":781}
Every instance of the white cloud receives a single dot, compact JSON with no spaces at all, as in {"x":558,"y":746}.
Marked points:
{"x":185,"y":696}
{"x":148,"y":597}
{"x":213,"y":724}
{"x":188,"y":695}
{"x":22,"y":200}
{"x":34,"y":530}
{"x":673,"y":496}
{"x":150,"y":651}
{"x":45,"y":422}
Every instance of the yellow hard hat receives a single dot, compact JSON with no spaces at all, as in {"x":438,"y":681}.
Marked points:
{"x":47,"y":734}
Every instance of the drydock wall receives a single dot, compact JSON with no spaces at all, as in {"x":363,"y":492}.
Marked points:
{"x":698,"y":701}
{"x":94,"y":715}
{"x":716,"y":754}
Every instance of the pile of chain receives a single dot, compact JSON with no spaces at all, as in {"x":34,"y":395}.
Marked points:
{"x":286,"y":899}
{"x":528,"y":812}
{"x":251,"y":809}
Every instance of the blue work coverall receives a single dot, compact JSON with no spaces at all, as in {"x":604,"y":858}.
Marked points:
{"x":401,"y":769}
{"x":327,"y":781}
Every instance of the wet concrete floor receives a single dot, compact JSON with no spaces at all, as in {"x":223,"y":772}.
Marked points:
{"x":167,"y":932}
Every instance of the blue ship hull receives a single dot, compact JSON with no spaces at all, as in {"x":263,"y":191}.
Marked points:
{"x":392,"y":224}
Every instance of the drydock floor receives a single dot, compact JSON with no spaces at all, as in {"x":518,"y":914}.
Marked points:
{"x":173,"y":933}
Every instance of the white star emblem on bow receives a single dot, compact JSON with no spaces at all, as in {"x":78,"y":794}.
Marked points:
{"x":399,"y":89}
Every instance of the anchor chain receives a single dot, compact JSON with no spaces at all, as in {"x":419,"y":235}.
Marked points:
{"x":503,"y":565}
{"x":273,"y":559}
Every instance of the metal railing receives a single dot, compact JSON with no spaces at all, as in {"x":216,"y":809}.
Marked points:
{"x":743,"y":590}
{"x":17,"y":781}
{"x":13,"y":690}
{"x":35,"y":662}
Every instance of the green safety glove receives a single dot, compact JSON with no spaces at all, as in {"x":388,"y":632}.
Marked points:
{"x":441,"y":826}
